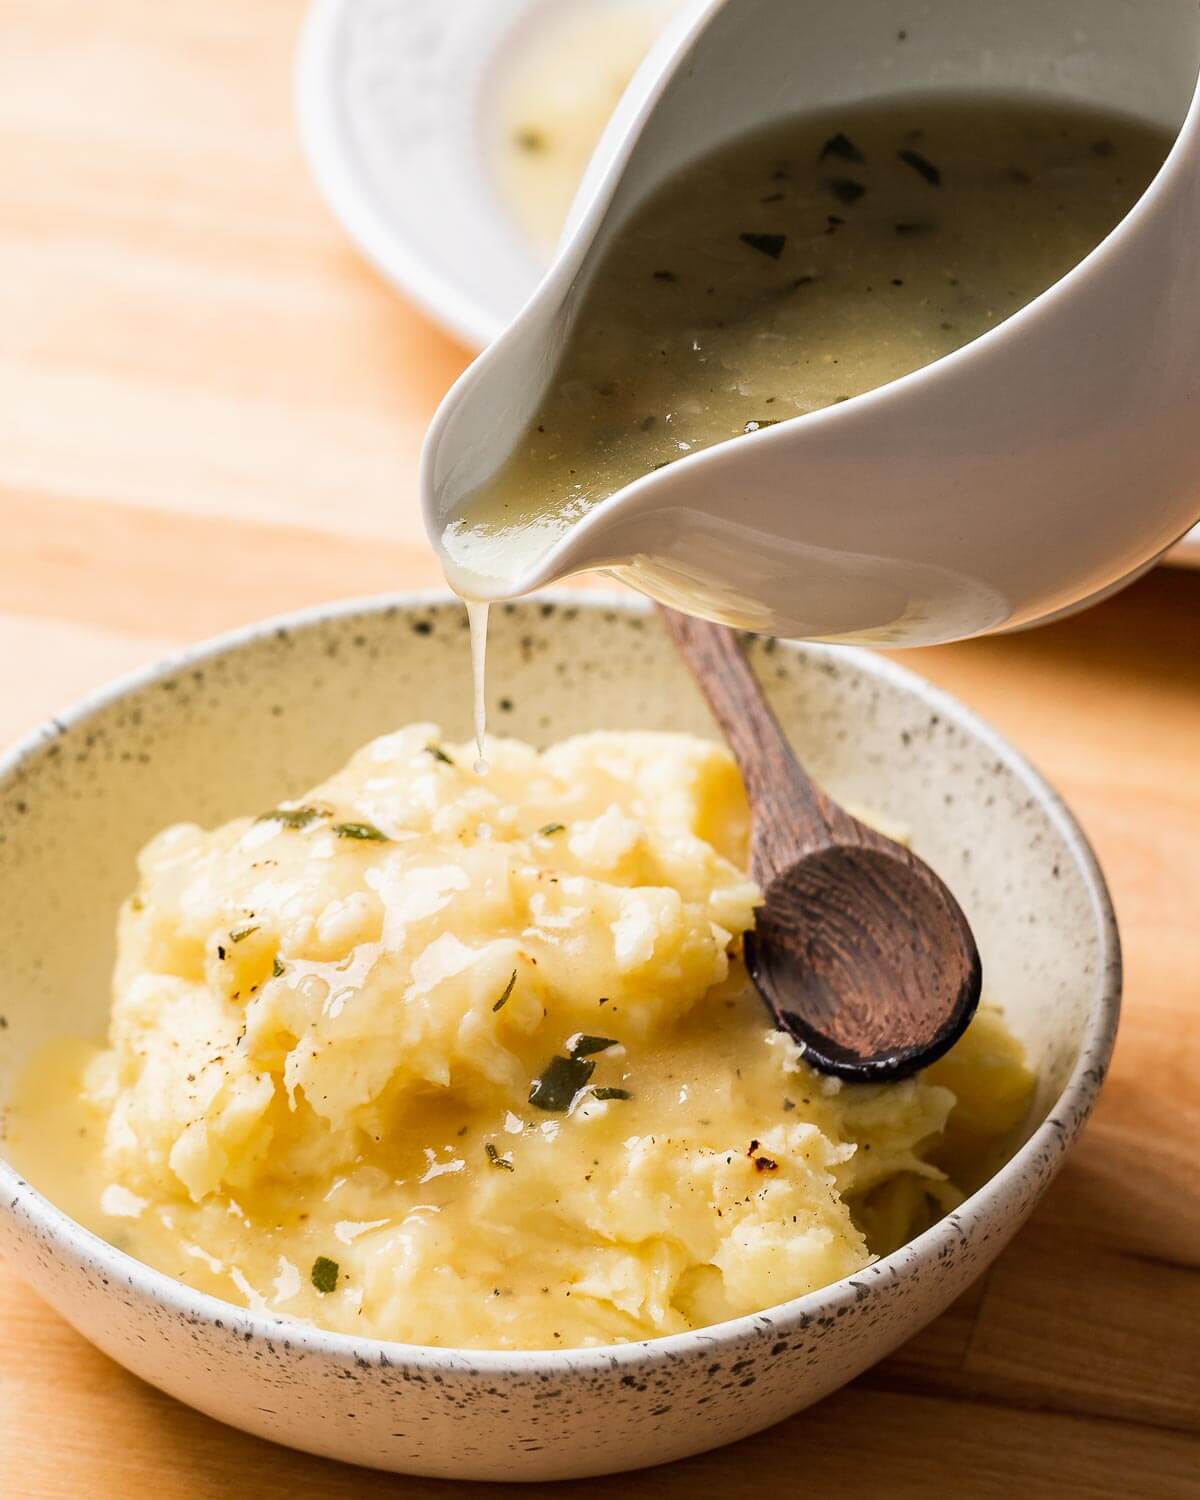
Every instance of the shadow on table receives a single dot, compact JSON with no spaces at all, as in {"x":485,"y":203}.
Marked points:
{"x":1151,"y":629}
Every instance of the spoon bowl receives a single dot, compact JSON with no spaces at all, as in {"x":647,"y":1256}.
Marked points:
{"x":865,"y":957}
{"x":1034,"y":469}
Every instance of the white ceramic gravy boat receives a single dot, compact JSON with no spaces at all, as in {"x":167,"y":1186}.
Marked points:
{"x":1033,"y":470}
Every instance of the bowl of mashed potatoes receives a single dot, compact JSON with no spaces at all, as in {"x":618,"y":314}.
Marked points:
{"x":436,"y":1105}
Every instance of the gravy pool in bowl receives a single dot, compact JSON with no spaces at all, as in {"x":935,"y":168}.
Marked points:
{"x":473,"y":1062}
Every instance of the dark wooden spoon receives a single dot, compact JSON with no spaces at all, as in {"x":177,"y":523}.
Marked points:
{"x":859,"y":950}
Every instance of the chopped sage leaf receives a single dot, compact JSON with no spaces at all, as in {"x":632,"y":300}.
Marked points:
{"x":508,"y":989}
{"x":584,"y":1046}
{"x":845,"y":189}
{"x":563,"y":1078}
{"x":611,"y":1094}
{"x":496,"y":1159}
{"x":439,"y":754}
{"x":294,"y":817}
{"x":276,"y":967}
{"x":768,"y":244}
{"x":324,"y":1274}
{"x":923,"y":165}
{"x":842,"y":146}
{"x":239,"y":933}
{"x":551,"y":828}
{"x":366,"y":831}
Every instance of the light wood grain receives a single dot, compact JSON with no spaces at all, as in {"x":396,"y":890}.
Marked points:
{"x":211,"y":411}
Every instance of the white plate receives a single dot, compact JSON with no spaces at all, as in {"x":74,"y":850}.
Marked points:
{"x":398,"y":109}
{"x":395,"y":102}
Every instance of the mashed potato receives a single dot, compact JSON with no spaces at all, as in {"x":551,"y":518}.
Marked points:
{"x":472,"y":1061}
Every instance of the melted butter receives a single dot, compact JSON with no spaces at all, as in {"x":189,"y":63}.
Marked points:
{"x":795,"y":268}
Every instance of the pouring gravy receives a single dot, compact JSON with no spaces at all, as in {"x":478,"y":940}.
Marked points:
{"x":794,"y":268}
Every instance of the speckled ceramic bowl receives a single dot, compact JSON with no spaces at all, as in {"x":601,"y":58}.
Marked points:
{"x":238,"y":723}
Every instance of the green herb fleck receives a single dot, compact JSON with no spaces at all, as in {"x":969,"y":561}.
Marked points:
{"x":551,"y":828}
{"x":508,"y":989}
{"x":366,"y":831}
{"x":439,"y":754}
{"x":528,"y":138}
{"x":294,"y":817}
{"x":767,"y":244}
{"x":563,"y":1078}
{"x":239,"y":933}
{"x":665,"y":276}
{"x":324,"y":1274}
{"x":845,"y":189}
{"x":496,"y":1159}
{"x":841,"y":146}
{"x":611,"y":1094}
{"x":584,"y":1046}
{"x":923,"y":165}
{"x":276,"y":967}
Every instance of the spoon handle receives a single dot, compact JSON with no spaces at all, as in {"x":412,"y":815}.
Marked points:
{"x":791,"y":815}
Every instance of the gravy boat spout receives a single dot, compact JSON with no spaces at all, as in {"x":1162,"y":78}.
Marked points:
{"x":1032,"y":470}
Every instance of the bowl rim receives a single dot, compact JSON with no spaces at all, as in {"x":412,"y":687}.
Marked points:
{"x":1063,"y":1121}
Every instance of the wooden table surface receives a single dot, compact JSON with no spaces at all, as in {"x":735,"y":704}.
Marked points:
{"x":210,"y":410}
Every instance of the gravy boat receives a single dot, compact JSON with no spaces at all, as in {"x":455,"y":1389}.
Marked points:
{"x":1031,"y":471}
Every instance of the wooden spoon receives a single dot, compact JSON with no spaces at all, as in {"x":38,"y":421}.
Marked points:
{"x":859,"y":950}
